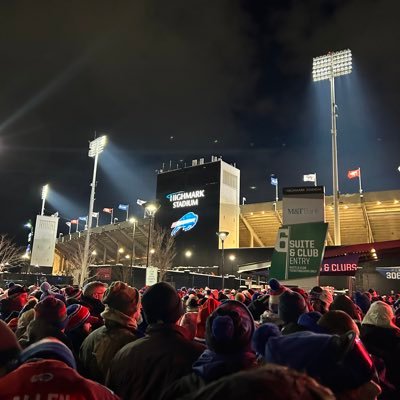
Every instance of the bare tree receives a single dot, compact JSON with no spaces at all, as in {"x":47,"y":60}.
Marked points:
{"x":10,"y":253}
{"x":75,"y":261}
{"x":163,"y":245}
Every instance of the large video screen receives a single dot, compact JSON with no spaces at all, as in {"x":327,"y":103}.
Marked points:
{"x":189,"y":199}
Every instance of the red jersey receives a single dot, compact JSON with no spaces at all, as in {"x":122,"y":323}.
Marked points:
{"x":50,"y":380}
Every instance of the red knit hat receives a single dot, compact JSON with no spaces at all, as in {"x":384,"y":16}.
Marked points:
{"x":52,"y":310}
{"x":72,"y":293}
{"x":204,"y":311}
{"x":276,"y":289}
{"x":77,"y":315}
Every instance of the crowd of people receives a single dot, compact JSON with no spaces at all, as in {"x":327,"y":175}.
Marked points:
{"x":117,"y":342}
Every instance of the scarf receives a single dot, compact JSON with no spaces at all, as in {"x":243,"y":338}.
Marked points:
{"x":111,"y":314}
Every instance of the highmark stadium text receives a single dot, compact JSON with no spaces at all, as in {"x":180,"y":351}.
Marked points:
{"x":185,"y":199}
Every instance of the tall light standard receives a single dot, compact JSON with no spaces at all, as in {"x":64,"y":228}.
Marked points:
{"x":133,"y":221}
{"x":45,"y":190}
{"x":95,"y":148}
{"x":222,"y":236}
{"x":150,"y":208}
{"x":325,"y":67}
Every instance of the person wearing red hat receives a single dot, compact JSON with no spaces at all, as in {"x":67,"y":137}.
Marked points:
{"x":48,"y":371}
{"x":17,"y":297}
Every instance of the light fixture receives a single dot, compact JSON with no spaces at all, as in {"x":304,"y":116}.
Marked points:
{"x":121,"y":250}
{"x":329,"y":67}
{"x":232,"y":257}
{"x":222,"y":235}
{"x":188,"y":254}
{"x":94,"y":253}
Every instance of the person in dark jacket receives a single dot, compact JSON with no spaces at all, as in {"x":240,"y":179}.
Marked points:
{"x":381,"y":337}
{"x":92,"y":296}
{"x":16,"y":299}
{"x":121,"y":316}
{"x":145,"y":368}
{"x":229,"y":331}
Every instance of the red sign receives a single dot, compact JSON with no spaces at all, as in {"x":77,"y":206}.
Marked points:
{"x":104,"y":273}
{"x":355,"y":173}
{"x":340,"y":266}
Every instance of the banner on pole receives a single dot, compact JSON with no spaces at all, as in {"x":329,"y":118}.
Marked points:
{"x":44,"y":241}
{"x":299,"y":250}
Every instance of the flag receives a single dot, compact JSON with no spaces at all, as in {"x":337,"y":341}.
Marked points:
{"x":274,"y":181}
{"x":74,"y":221}
{"x":123,"y":207}
{"x":82,"y":218}
{"x":68,"y":224}
{"x":310,"y":178}
{"x":108,"y":210}
{"x":140,"y":202}
{"x":355,"y":173}
{"x":95,"y":215}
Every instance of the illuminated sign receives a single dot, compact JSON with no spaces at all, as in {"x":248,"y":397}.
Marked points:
{"x":186,"y":223}
{"x":346,"y":265}
{"x":185,"y":199}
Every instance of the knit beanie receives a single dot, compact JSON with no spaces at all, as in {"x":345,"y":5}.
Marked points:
{"x":204,"y":312}
{"x":337,"y":322}
{"x":291,"y":306}
{"x":262,"y":335}
{"x":344,"y":303}
{"x":161,"y":303}
{"x":240,"y":297}
{"x":72,"y":293}
{"x":229,"y":328}
{"x":276,"y":290}
{"x":49,"y":349}
{"x":363,"y":301}
{"x":9,"y":346}
{"x":338,"y":362}
{"x":16,"y":289}
{"x":53,"y":311}
{"x":77,"y":315}
{"x":309,"y":321}
{"x":380,"y":314}
{"x":122,"y":297}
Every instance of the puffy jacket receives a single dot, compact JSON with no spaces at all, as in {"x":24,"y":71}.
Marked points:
{"x":50,"y":379}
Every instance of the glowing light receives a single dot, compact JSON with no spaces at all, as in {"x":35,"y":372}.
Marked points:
{"x":152,"y":251}
{"x":332,"y":65}
{"x":346,"y":207}
{"x":121,"y":250}
{"x":222,"y":235}
{"x":96,"y":146}
{"x":188,"y":254}
{"x":378,"y":203}
{"x":232,"y":257}
{"x":396,"y":202}
{"x":94,"y":253}
{"x":127,"y":256}
{"x":132,"y":220}
{"x":45,"y":190}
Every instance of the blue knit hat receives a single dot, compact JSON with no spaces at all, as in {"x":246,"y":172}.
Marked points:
{"x":309,"y":321}
{"x":338,"y":362}
{"x":49,"y":349}
{"x":262,"y":335}
{"x":363,"y":301}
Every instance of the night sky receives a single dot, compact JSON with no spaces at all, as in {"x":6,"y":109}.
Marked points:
{"x":169,"y":81}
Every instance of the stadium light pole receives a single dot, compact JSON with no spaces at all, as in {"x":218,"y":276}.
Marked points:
{"x":133,"y":221}
{"x":222,"y":236}
{"x":95,"y":148}
{"x":330,"y":66}
{"x":150,"y":208}
{"x":45,"y":190}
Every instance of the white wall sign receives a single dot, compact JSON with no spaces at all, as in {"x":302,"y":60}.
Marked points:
{"x":151,"y":276}
{"x":44,"y":241}
{"x":185,"y":199}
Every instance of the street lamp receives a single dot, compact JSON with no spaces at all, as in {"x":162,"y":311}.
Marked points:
{"x":222,"y":236}
{"x":188,"y":254}
{"x":150,"y":210}
{"x":45,"y":190}
{"x":326,"y":67}
{"x":133,"y":221}
{"x":96,"y":147}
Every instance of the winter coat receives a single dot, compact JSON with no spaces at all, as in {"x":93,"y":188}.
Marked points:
{"x":142,"y":370}
{"x":208,"y":368}
{"x":99,"y":348}
{"x":96,"y":307}
{"x":385,"y":344}
{"x":50,"y":379}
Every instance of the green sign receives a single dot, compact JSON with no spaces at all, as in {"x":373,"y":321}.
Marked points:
{"x":299,"y":250}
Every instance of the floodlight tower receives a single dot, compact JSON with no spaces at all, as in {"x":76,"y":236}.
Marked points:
{"x":325,"y":67}
{"x":45,"y":191}
{"x":95,"y":148}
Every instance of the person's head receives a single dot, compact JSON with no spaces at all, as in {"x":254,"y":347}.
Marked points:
{"x":78,"y":317}
{"x":72,"y":293}
{"x":337,"y":322}
{"x":262,"y":335}
{"x":162,"y":304}
{"x":18,"y":294}
{"x":272,"y":382}
{"x":291,"y":306}
{"x":275,"y":292}
{"x":48,"y":349}
{"x":9,"y":348}
{"x":320,"y":299}
{"x":344,"y":303}
{"x":204,"y":312}
{"x":230,"y":328}
{"x":192,"y":304}
{"x":363,"y":301}
{"x":95,"y":290}
{"x":339,"y":362}
{"x":380,"y":314}
{"x":123,"y":298}
{"x":53,"y":311}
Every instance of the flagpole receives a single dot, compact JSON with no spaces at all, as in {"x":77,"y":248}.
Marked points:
{"x":112,"y":215}
{"x":127,"y":213}
{"x":359,"y":180}
{"x":315,"y":180}
{"x":69,"y":228}
{"x":276,"y":192}
{"x":97,"y":220}
{"x":77,"y":225}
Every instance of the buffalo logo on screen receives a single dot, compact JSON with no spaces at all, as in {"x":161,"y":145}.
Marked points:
{"x":186,"y":223}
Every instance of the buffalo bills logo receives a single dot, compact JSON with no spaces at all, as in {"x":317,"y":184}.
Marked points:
{"x":186,"y":223}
